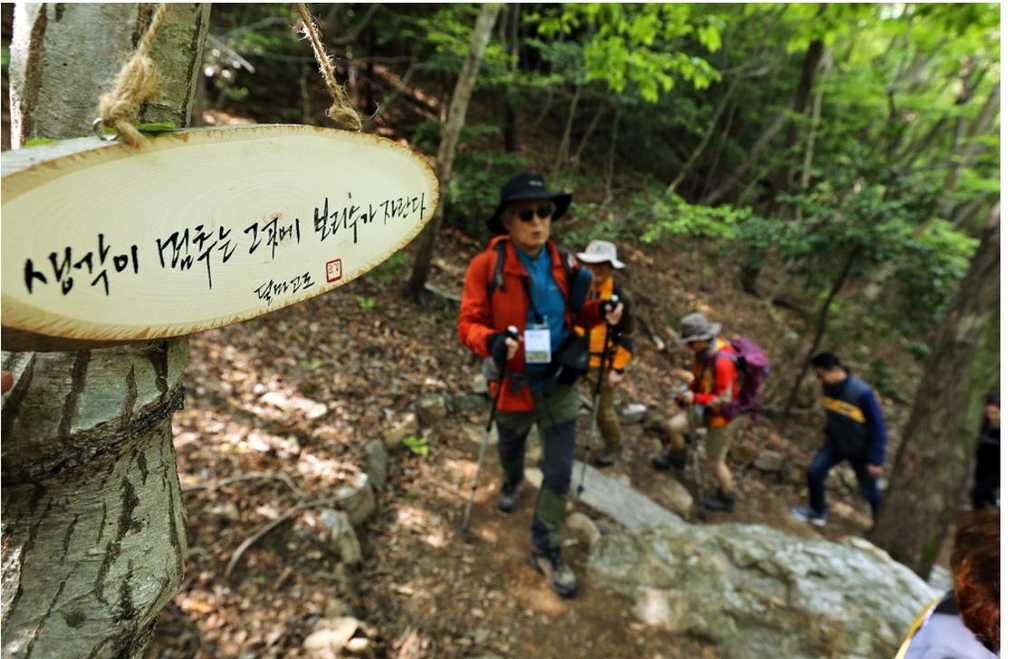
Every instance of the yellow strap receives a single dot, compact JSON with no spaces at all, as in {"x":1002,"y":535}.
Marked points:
{"x":918,"y":623}
{"x":843,"y":408}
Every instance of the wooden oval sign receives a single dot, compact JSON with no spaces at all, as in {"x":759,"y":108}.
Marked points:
{"x":104,"y":244}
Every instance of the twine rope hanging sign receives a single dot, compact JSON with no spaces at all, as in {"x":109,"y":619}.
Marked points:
{"x":137,"y":83}
{"x":340,"y":110}
{"x":107,"y":242}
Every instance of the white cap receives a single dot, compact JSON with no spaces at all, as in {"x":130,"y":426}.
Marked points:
{"x":601,"y":251}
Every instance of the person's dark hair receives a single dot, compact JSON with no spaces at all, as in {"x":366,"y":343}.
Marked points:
{"x":992,"y":399}
{"x":826,"y":360}
{"x":975,"y":566}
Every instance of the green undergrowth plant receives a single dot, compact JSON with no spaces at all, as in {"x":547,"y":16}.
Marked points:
{"x":417,"y":445}
{"x":667,"y":215}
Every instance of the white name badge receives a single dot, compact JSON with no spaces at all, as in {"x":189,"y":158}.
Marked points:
{"x":538,"y":345}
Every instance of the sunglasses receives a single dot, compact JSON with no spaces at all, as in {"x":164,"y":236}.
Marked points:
{"x":525,"y":215}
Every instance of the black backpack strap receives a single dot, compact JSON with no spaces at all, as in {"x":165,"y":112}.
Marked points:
{"x":569,"y":264}
{"x":498,"y":278}
{"x":578,"y":280}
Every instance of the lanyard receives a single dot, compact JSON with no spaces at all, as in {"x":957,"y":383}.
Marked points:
{"x":537,"y":317}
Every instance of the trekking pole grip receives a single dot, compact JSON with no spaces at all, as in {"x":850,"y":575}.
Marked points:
{"x":607,"y":306}
{"x":511,"y":332}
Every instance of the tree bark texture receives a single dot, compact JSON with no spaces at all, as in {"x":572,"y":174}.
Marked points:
{"x":509,"y":31}
{"x":931,"y":466}
{"x":93,"y":519}
{"x":68,"y":54}
{"x":449,"y":140}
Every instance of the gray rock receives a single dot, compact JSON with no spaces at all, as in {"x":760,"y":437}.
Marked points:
{"x":670,"y":493}
{"x":377,"y":463}
{"x":847,"y":477}
{"x":584,"y":526}
{"x":743,"y":455}
{"x":758,"y":592}
{"x":620,"y":502}
{"x":478,"y":433}
{"x":343,"y":536}
{"x":431,"y":408}
{"x":770,"y":462}
{"x":470,"y":403}
{"x":330,"y":636}
{"x":634,"y":413}
{"x":357,"y":499}
{"x":408,"y":426}
{"x":360,"y":647}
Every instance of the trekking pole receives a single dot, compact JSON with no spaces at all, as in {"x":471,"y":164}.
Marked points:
{"x":513,"y":333}
{"x":691,"y":443}
{"x":597,"y":398}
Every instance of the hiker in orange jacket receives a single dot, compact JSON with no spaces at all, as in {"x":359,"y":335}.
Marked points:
{"x":715,"y":383}
{"x":523,"y":279}
{"x":615,"y":349}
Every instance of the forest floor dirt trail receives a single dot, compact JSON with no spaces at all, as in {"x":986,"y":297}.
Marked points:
{"x":365,"y":356}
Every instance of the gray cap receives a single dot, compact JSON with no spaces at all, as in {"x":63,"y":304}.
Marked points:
{"x":695,"y":327}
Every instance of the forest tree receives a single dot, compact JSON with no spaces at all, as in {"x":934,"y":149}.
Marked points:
{"x":93,"y":523}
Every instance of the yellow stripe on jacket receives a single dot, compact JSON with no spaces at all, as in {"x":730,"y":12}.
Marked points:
{"x":843,"y":408}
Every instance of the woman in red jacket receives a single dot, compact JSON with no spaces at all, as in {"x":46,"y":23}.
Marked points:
{"x":714,"y":384}
{"x":524,"y":280}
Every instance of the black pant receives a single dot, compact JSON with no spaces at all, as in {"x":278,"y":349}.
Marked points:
{"x":986,"y":476}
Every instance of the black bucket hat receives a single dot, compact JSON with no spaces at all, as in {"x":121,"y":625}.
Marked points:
{"x":522,"y":187}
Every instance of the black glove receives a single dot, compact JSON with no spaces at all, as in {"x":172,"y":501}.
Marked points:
{"x":496,"y":345}
{"x":607,"y":306}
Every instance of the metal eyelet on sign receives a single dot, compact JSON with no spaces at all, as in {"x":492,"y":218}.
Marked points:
{"x":97,"y":127}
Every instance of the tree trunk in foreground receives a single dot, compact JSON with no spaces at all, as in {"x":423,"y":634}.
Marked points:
{"x":931,"y":466}
{"x":93,"y":520}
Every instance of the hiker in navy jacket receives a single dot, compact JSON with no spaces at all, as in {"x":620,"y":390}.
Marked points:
{"x":854,"y":431}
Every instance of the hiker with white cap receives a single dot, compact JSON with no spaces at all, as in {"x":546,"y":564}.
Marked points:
{"x":610,"y":350}
{"x":714,"y":384}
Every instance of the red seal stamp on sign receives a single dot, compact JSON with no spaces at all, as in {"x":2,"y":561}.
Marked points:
{"x":334,"y":270}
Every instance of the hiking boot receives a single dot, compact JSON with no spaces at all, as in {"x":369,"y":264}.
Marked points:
{"x":667,"y":461}
{"x":609,"y":458}
{"x":721,"y":501}
{"x":508,"y":499}
{"x":807,"y":514}
{"x":560,"y":576}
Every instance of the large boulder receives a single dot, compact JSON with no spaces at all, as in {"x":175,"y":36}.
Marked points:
{"x":758,"y":592}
